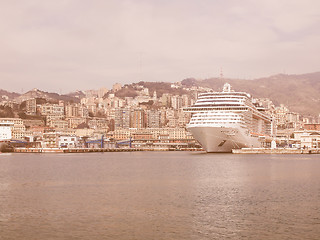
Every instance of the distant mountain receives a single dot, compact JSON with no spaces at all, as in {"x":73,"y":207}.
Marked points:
{"x":301,"y":93}
{"x":76,"y":94}
{"x":161,"y":88}
{"x":54,"y":97}
{"x":10,"y":95}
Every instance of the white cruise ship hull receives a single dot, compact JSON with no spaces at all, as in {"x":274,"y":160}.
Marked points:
{"x":222,"y":139}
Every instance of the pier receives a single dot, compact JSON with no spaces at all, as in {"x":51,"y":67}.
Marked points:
{"x":92,"y":150}
{"x":275,"y":151}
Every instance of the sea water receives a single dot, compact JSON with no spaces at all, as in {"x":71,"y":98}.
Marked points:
{"x":159,"y":195}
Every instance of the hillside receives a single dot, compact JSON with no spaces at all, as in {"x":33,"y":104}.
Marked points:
{"x":8,"y":95}
{"x":301,"y":93}
{"x":53,"y":97}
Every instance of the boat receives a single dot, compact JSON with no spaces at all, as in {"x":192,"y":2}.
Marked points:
{"x":5,"y":147}
{"x":226,"y":120}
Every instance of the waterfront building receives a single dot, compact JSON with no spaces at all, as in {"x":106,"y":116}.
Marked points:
{"x":50,"y":139}
{"x":6,"y":131}
{"x":18,"y":129}
{"x":157,"y":133}
{"x":67,"y":141}
{"x":308,"y":138}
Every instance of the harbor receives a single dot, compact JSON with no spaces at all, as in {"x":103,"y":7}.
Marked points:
{"x":234,"y":151}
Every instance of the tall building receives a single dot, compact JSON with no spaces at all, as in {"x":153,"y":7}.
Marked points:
{"x":76,"y":110}
{"x":31,"y":106}
{"x":52,"y":109}
{"x":185,"y":100}
{"x":122,"y":118}
{"x":166,"y":100}
{"x":176,"y":102}
{"x":153,"y":119}
{"x":138,"y":118}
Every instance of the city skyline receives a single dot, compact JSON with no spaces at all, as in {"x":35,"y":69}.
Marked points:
{"x":72,"y":45}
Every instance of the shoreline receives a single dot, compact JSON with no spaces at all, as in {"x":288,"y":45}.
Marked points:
{"x":275,"y":151}
{"x":90,"y":150}
{"x":95,"y":150}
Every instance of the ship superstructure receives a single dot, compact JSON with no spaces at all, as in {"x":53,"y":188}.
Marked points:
{"x":227,"y":120}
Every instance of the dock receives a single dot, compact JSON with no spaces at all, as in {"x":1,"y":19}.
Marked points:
{"x":93,"y":150}
{"x":73,"y":150}
{"x":275,"y":151}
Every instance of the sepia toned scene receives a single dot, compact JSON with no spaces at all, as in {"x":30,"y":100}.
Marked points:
{"x":137,"y":119}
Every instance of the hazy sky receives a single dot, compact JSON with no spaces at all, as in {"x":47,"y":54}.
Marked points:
{"x":65,"y":45}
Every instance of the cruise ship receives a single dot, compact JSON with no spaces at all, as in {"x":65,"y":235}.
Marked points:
{"x":222,"y":121}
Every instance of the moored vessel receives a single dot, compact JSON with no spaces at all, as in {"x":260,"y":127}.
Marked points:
{"x":222,"y":121}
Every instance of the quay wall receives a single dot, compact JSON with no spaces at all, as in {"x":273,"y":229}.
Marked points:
{"x":275,"y":151}
{"x":90,"y":150}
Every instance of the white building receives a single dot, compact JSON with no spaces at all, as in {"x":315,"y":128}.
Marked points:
{"x":5,"y":131}
{"x":18,"y":129}
{"x":68,"y":142}
{"x":308,"y":139}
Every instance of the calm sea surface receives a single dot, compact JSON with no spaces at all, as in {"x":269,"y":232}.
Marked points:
{"x":159,"y":195}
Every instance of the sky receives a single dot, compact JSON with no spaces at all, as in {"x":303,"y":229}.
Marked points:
{"x":68,"y":45}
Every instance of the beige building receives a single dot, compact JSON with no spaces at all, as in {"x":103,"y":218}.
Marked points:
{"x":18,"y":129}
{"x":52,"y":109}
{"x":157,"y":133}
{"x":76,"y":110}
{"x":308,"y":139}
{"x":138,"y":118}
{"x":50,"y":139}
{"x":58,"y":124}
{"x":98,"y":123}
{"x":74,"y":122}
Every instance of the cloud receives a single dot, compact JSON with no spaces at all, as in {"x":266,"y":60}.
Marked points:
{"x":81,"y":44}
